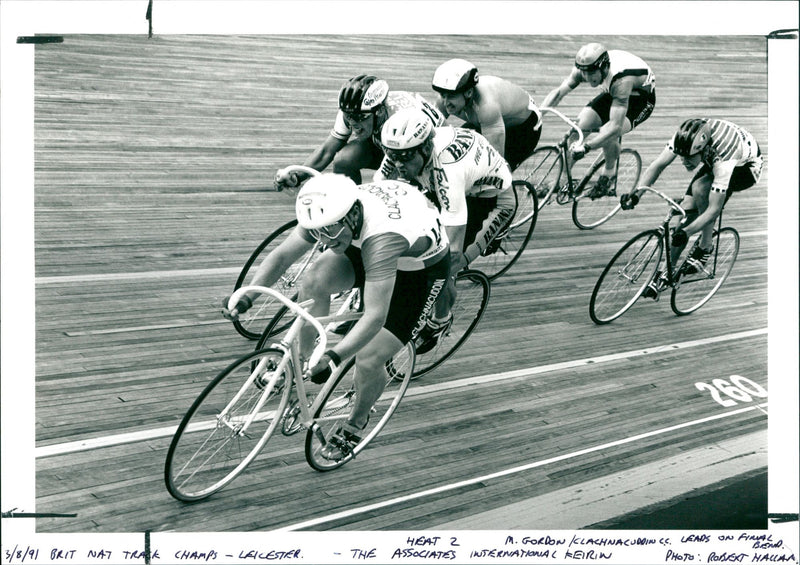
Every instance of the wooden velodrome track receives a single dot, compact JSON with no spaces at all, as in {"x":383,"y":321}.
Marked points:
{"x":152,"y":156}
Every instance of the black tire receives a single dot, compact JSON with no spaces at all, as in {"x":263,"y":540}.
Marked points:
{"x":693,"y":291}
{"x":472,"y":296}
{"x":543,"y":171}
{"x":339,"y":402}
{"x":206,"y":454}
{"x":507,"y":248}
{"x":588,"y":213}
{"x":252,"y":323}
{"x":625,"y":277}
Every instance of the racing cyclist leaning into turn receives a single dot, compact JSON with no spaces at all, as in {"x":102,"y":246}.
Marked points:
{"x":468,"y":180}
{"x":504,"y":113}
{"x":627,"y":100}
{"x":730,"y":161}
{"x":383,"y":237}
{"x":365,"y":102}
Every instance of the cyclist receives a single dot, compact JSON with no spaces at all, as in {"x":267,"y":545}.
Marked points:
{"x":364,"y":104}
{"x":384,"y":237}
{"x":627,"y":100}
{"x":730,"y":161}
{"x":468,"y":180}
{"x":504,"y":113}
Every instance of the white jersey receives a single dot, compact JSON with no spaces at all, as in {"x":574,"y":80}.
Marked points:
{"x":395,"y":100}
{"x":463,"y":164}
{"x":731,"y":146}
{"x":624,"y":64}
{"x":396,"y":207}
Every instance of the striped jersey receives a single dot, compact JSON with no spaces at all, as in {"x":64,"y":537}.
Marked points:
{"x":730,"y":146}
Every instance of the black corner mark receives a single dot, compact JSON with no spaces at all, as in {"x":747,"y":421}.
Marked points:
{"x":37,"y":39}
{"x":14,"y":514}
{"x":783,"y":34}
{"x":782,"y":518}
{"x":147,"y":547}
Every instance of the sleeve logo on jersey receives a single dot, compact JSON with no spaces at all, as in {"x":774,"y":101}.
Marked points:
{"x":461,"y":145}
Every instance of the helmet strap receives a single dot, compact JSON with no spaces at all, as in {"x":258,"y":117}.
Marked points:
{"x":354,"y":219}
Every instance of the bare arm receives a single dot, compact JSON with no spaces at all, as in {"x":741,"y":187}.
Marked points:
{"x":492,"y":126}
{"x":324,"y":154}
{"x":557,"y":94}
{"x":657,"y":167}
{"x":280,"y":259}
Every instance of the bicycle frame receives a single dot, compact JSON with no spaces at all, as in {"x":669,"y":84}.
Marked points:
{"x":563,"y":150}
{"x":674,"y":210}
{"x":289,"y":344}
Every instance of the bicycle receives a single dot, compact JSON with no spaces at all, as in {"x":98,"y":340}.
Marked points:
{"x":238,"y":412}
{"x":473,"y":289}
{"x":507,"y":247}
{"x":545,"y":167}
{"x":251,"y":324}
{"x":635,"y":265}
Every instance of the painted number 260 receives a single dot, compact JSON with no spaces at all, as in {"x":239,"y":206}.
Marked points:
{"x":739,"y":389}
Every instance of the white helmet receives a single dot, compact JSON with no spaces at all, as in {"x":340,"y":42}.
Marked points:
{"x":406,"y":129}
{"x":454,"y":76}
{"x":324,"y":200}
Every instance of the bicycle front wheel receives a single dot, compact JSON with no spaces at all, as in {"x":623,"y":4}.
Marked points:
{"x":625,"y":277}
{"x":590,"y":210}
{"x":472,"y":297}
{"x":214,"y":442}
{"x":340,"y":401}
{"x":692,"y":291}
{"x":543,"y":171}
{"x":252,"y":323}
{"x":501,"y":254}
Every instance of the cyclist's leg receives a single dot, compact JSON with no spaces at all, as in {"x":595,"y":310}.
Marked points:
{"x":371,"y":376}
{"x":330,"y":273}
{"x":356,"y":155}
{"x":692,"y":202}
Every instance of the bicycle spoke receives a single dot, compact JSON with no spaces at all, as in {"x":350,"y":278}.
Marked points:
{"x":693,"y":291}
{"x":214,"y":442}
{"x":625,"y":277}
{"x":472,"y":296}
{"x":591,"y":208}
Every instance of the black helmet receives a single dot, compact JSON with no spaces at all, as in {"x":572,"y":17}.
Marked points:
{"x":691,"y":137}
{"x":364,"y":93}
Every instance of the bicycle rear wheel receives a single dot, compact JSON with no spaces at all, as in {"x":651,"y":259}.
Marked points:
{"x":693,"y":291}
{"x":501,"y":254}
{"x":543,"y":171}
{"x":340,"y":400}
{"x":251,"y":324}
{"x":210,"y":447}
{"x":588,"y":212}
{"x":625,"y":277}
{"x":472,"y":296}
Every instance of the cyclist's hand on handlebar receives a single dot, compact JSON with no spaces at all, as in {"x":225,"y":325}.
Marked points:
{"x":578,"y":151}
{"x":244,"y":304}
{"x":286,"y":179}
{"x":324,"y":368}
{"x":628,"y":201}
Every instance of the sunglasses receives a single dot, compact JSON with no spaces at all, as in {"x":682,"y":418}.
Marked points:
{"x":400,"y":156}
{"x":329,"y":232}
{"x":356,"y":118}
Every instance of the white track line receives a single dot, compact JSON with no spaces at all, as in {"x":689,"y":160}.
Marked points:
{"x":512,"y":470}
{"x":144,"y":435}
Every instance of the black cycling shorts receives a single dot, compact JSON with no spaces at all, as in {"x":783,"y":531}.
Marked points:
{"x":413,"y":295}
{"x":741,"y":179}
{"x":640,"y":106}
